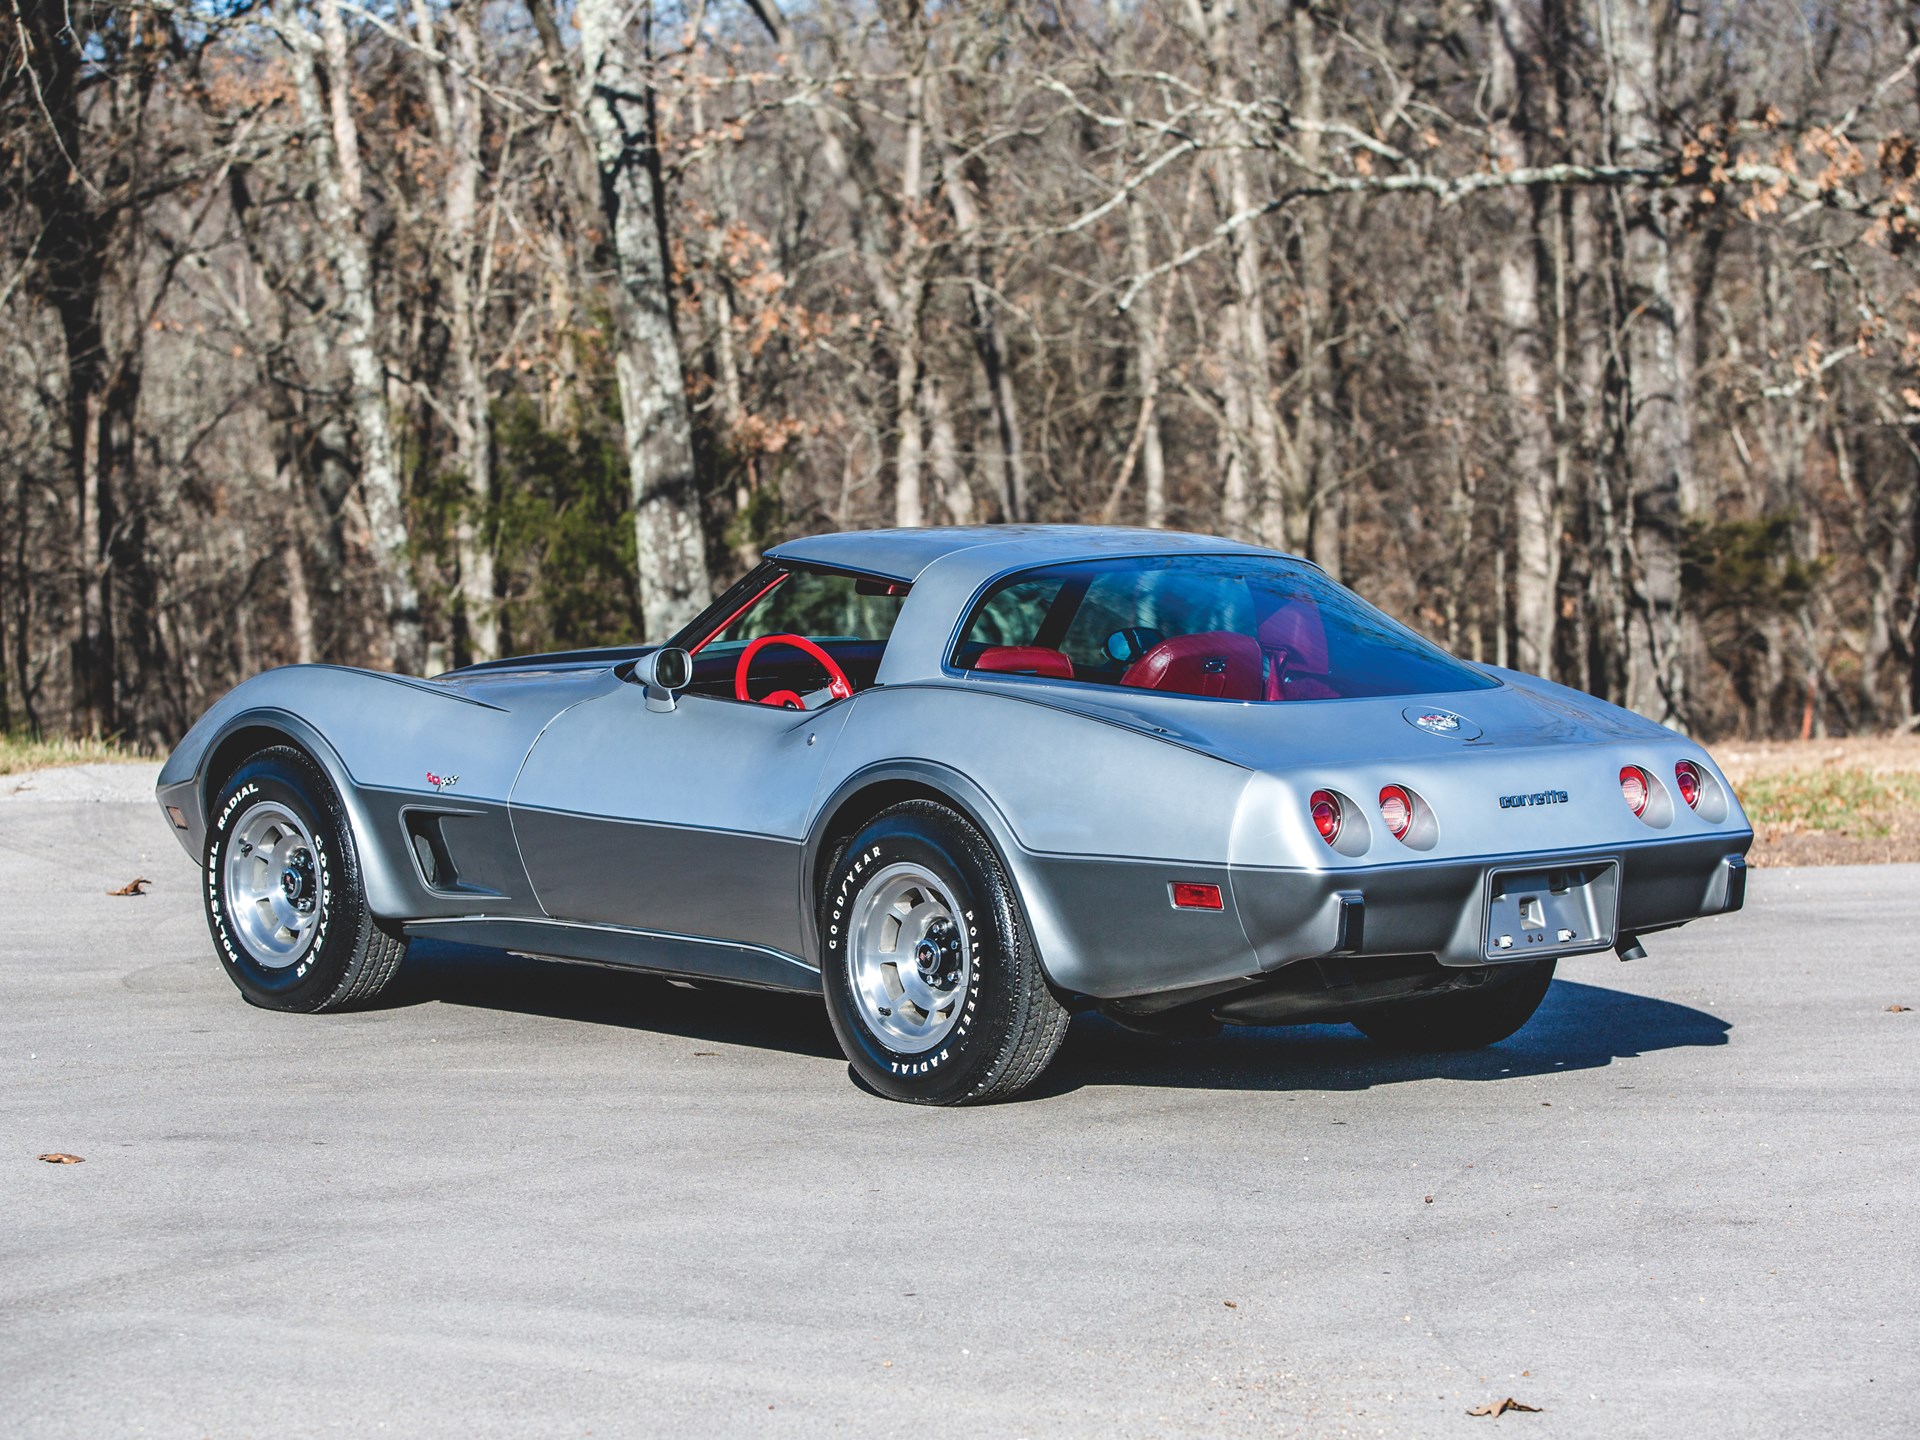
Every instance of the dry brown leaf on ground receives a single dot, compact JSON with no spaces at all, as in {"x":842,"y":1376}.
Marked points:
{"x":60,"y":1157}
{"x":1500,"y":1407}
{"x":1898,"y":1009}
{"x":133,"y":887}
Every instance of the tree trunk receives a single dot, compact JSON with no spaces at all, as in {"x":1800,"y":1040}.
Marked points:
{"x":332,"y":146}
{"x":1268,"y":521}
{"x":1535,"y":510}
{"x":1309,"y":499}
{"x":615,"y":99}
{"x":457,"y":123}
{"x":1658,"y":437}
{"x":989,"y":339}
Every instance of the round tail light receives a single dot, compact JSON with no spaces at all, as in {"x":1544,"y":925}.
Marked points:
{"x":1635,"y":787}
{"x":1686,"y":776}
{"x":1396,"y":808}
{"x":1326,"y":814}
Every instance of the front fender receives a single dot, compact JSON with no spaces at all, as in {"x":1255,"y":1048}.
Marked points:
{"x":186,"y":785}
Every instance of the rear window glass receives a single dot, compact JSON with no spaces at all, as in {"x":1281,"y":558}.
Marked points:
{"x":1228,"y":627}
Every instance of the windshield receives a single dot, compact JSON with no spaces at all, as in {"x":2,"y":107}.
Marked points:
{"x":1227,"y":627}
{"x":846,"y":618}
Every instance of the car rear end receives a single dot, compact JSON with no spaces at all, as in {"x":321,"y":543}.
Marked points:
{"x":1526,"y":824}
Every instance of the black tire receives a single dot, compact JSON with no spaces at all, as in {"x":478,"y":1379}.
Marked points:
{"x":352,"y":957}
{"x":1462,"y":1019}
{"x":1011,"y":1023}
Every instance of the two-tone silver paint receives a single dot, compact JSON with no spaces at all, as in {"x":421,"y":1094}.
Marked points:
{"x":692,"y":838}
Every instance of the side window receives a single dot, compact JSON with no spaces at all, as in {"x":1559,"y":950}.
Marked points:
{"x":1012,"y":615}
{"x":822,"y":607}
{"x":1111,"y":603}
{"x":849,"y":617}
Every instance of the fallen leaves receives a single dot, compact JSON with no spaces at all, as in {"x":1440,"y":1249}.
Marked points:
{"x":60,"y":1157}
{"x":1231,"y":1304}
{"x":1500,"y":1407}
{"x":1429,"y":1199}
{"x":1898,"y":1009}
{"x":133,"y":887}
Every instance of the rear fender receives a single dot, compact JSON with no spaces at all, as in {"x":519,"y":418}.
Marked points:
{"x":1059,"y":956}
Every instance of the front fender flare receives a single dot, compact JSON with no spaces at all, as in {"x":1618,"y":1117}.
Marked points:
{"x":386,"y":874}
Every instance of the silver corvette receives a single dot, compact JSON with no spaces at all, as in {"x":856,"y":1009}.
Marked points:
{"x":964,"y":783}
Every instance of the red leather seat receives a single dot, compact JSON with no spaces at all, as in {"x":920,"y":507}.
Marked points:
{"x":1294,"y":641}
{"x":1025,"y":660}
{"x":1217,"y":664}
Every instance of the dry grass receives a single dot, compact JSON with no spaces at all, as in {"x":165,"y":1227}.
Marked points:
{"x":1828,"y":802}
{"x":21,"y":752}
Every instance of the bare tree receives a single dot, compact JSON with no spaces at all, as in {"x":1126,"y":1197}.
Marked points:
{"x":615,"y":99}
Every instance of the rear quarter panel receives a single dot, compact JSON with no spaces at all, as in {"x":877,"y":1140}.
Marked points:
{"x":1094,"y":819}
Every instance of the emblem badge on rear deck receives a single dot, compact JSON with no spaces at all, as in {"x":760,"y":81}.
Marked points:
{"x":442,"y":782}
{"x":1441,"y":722}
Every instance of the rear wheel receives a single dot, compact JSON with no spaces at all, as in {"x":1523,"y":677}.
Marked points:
{"x":1463,"y":1019}
{"x":283,"y":894}
{"x":932,"y":982}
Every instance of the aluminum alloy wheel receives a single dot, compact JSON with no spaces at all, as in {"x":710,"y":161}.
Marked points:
{"x":908,"y":958}
{"x":271,"y":886}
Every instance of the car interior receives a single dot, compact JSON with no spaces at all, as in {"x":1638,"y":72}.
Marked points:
{"x":1286,"y":657}
{"x":1212,"y":627}
{"x":793,"y":637}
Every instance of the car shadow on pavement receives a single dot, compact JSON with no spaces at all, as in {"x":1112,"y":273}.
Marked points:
{"x":1578,"y":1027}
{"x":435,"y":971}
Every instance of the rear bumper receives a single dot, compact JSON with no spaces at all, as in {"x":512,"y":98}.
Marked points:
{"x":1440,"y":909}
{"x":1110,"y":932}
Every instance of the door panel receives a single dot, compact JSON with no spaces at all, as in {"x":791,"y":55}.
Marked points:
{"x":688,"y":822}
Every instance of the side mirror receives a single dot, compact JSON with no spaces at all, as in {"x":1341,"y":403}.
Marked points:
{"x":664,"y":674}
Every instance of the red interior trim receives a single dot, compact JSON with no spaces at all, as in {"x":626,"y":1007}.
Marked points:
{"x":1025,"y":660}
{"x":721,"y":628}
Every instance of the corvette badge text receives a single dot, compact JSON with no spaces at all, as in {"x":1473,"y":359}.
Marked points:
{"x":1538,"y":797}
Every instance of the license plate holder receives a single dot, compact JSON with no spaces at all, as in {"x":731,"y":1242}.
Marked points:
{"x":1559,"y":908}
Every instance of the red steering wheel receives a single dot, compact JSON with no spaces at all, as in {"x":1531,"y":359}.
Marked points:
{"x":838,"y":686}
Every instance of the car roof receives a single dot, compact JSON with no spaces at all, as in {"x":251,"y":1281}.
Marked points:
{"x":977,"y":551}
{"x":948,"y":566}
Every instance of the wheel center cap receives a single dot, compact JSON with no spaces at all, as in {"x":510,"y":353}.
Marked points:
{"x":296,"y":881}
{"x":927,"y":956}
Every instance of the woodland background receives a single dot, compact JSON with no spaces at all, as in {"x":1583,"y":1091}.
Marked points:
{"x":1582,"y":334}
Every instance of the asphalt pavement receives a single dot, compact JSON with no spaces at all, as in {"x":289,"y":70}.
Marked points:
{"x":531,"y":1200}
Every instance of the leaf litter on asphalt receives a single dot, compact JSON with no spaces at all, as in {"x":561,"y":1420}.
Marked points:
{"x":133,"y":887}
{"x":1501,"y":1407}
{"x":60,"y":1157}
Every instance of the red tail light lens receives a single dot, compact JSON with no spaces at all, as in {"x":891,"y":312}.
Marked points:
{"x":1635,"y":788}
{"x":1326,"y":814}
{"x":1396,"y":808}
{"x":1686,"y":776}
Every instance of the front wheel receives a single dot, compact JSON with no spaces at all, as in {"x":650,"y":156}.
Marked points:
{"x":1463,"y":1019}
{"x":283,"y":895}
{"x":932,"y":982}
